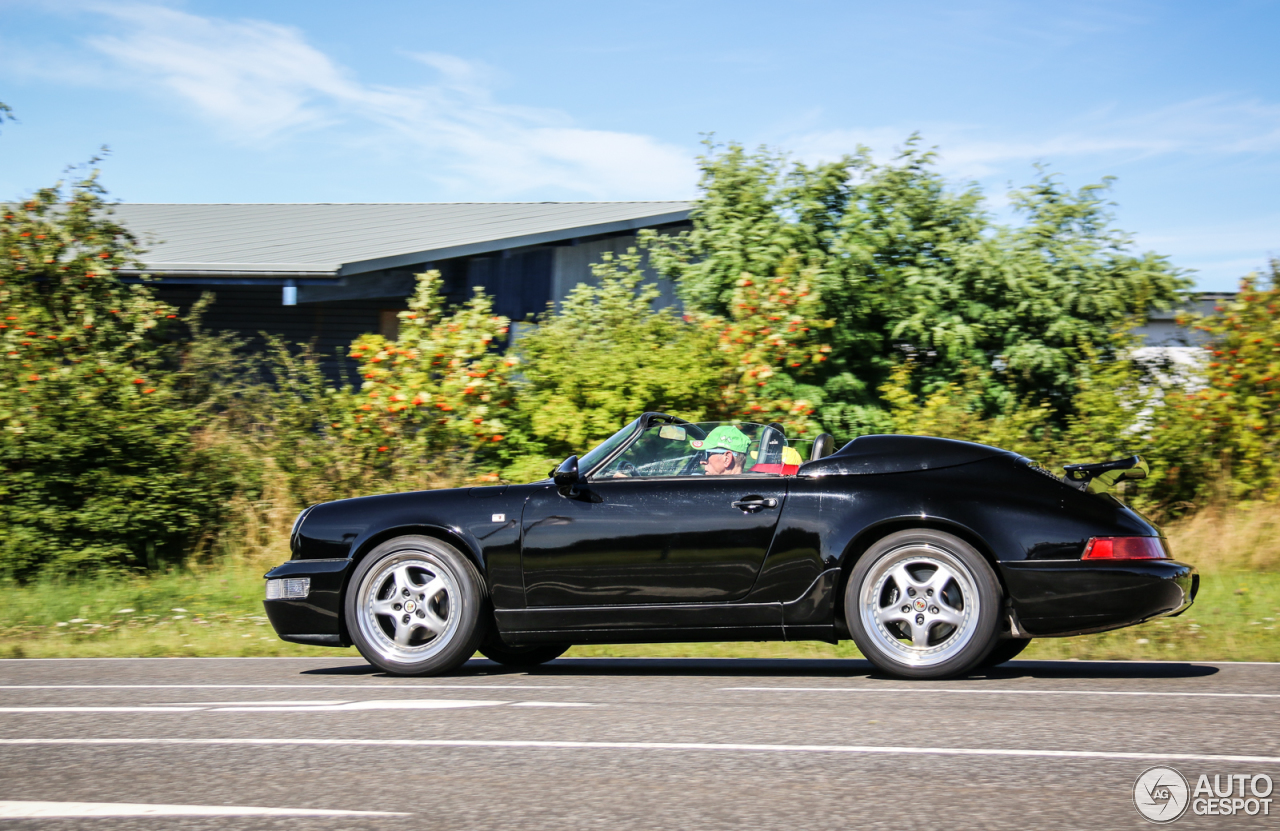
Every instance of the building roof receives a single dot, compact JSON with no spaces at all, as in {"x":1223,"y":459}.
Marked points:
{"x":338,"y":239}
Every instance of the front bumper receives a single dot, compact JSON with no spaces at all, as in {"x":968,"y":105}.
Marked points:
{"x":1056,"y":598}
{"x":317,"y":618}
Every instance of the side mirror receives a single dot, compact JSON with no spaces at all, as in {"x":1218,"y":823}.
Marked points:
{"x":567,"y":477}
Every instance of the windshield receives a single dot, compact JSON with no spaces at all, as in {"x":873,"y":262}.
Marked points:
{"x":708,"y":448}
{"x":605,"y":448}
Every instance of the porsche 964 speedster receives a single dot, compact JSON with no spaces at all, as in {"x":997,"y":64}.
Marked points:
{"x":936,"y":557}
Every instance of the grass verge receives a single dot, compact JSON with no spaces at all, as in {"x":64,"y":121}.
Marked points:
{"x":218,"y":612}
{"x":213,"y":612}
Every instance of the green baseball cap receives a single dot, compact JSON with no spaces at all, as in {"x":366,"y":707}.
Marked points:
{"x":726,"y":437}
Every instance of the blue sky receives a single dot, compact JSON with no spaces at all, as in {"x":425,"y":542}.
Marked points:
{"x":487,"y":101}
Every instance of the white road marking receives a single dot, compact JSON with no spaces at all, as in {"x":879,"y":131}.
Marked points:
{"x":927,"y":690}
{"x":677,"y":746}
{"x":250,"y":703}
{"x":13,"y":809}
{"x":370,"y":687}
{"x":157,"y":709}
{"x":299,"y":706}
{"x":387,"y":704}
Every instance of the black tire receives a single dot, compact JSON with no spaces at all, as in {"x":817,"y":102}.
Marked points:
{"x":387,"y":607}
{"x":1004,"y":651}
{"x":520,"y":657}
{"x":948,"y":608}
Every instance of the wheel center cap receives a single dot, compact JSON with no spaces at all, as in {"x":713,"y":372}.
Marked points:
{"x":920,"y":604}
{"x":410,"y":606}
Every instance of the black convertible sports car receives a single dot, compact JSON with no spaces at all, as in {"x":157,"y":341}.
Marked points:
{"x":936,"y":556}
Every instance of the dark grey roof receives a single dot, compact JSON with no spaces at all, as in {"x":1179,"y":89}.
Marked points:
{"x":340,"y":239}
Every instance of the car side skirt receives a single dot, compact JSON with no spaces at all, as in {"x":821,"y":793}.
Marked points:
{"x":655,"y":624}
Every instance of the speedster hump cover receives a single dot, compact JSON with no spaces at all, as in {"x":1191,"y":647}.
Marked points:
{"x":867,"y":455}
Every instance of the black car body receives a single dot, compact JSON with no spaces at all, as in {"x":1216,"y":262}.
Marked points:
{"x":669,"y":559}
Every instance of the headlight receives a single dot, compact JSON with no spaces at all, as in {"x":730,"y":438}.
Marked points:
{"x":288,"y":588}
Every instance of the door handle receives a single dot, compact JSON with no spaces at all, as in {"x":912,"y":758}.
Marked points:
{"x":754,"y":503}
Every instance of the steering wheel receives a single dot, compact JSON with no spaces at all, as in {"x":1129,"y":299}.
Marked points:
{"x":627,"y":469}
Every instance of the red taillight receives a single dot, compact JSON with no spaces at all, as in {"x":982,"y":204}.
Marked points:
{"x":1125,"y":548}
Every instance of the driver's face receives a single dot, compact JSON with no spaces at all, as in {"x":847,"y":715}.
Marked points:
{"x":718,"y":463}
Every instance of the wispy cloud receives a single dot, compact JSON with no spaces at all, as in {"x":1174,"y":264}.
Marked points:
{"x":1217,"y":126}
{"x":258,"y":82}
{"x":1215,"y":249}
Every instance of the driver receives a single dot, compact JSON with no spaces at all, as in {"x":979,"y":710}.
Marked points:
{"x":726,"y":448}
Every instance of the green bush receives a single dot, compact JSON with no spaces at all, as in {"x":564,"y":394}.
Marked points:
{"x":100,"y":467}
{"x":605,"y":357}
{"x":441,"y":390}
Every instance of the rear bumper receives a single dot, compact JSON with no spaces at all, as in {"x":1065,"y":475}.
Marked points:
{"x":1056,"y":598}
{"x":317,"y":618}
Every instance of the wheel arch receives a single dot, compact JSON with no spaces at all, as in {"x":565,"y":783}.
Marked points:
{"x":459,"y":541}
{"x":872,"y":534}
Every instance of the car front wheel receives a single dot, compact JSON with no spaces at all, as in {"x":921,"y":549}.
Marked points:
{"x":923,"y":604}
{"x":413,"y":607}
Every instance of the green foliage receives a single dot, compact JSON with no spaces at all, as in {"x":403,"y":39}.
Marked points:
{"x":605,"y":357}
{"x":956,"y":411}
{"x":773,"y":347}
{"x":441,"y":388}
{"x":907,"y":266}
{"x":1070,"y":282}
{"x":98,"y":459}
{"x":1235,"y":416}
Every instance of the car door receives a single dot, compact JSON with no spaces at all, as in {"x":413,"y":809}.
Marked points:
{"x":635,"y":540}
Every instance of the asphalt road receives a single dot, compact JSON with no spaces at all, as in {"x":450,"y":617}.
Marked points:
{"x":611,"y":743}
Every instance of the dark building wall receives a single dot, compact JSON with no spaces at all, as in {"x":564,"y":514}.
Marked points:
{"x":248,"y":310}
{"x":519,"y":281}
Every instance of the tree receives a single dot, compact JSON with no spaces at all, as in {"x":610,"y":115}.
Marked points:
{"x":1232,"y":422}
{"x":605,"y":357}
{"x":908,"y":266}
{"x":772,"y":347}
{"x":440,"y":389}
{"x":98,"y":461}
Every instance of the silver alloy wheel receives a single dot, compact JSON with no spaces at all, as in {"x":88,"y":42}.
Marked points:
{"x":409,"y":606}
{"x":920,"y":605}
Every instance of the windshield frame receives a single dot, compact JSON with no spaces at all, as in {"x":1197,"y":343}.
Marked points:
{"x":636,"y":429}
{"x":588,"y":465}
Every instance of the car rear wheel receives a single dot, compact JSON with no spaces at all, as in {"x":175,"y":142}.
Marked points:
{"x":923,"y":604}
{"x":520,"y":657}
{"x":413,"y":607}
{"x":1005,"y":650}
